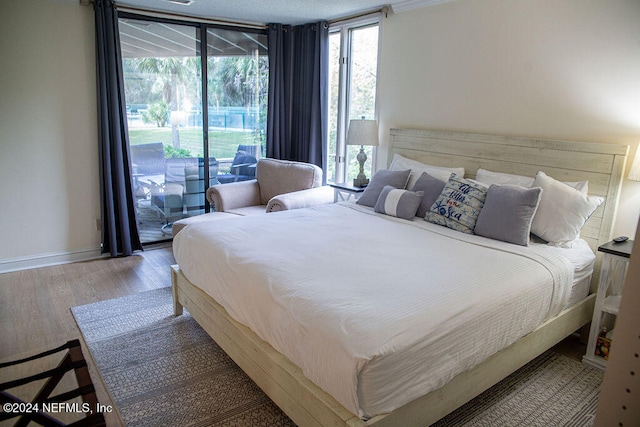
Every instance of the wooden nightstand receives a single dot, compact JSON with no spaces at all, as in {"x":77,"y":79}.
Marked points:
{"x":343,"y":192}
{"x":614,"y":268}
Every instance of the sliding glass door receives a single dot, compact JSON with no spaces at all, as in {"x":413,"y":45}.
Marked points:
{"x":182,"y":143}
{"x":237,"y":87}
{"x":161,"y":64}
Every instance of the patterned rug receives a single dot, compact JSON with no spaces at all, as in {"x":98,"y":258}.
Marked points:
{"x":166,"y":371}
{"x":551,"y":390}
{"x":162,"y":370}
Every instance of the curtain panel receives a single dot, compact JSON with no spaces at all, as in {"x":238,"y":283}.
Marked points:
{"x":279,"y":101}
{"x":119,"y":225}
{"x":298,"y":92}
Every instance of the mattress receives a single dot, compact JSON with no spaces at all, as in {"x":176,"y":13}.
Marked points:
{"x":582,"y":258}
{"x":375,"y":310}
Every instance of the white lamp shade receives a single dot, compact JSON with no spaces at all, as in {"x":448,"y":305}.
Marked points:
{"x":634,"y":172}
{"x":363,"y":132}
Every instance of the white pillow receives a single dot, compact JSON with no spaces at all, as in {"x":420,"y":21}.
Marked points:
{"x":400,"y":162}
{"x":562,"y":212}
{"x":489,"y":177}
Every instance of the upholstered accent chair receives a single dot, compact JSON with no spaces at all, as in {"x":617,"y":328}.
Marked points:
{"x":279,"y":185}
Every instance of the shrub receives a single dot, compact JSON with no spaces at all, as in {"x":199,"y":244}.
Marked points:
{"x":157,"y":113}
{"x":169,"y":151}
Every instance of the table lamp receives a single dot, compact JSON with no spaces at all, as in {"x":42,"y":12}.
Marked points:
{"x":362,"y":132}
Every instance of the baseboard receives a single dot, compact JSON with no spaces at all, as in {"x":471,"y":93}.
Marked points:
{"x":44,"y":260}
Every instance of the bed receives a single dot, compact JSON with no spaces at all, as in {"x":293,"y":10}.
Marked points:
{"x":218,"y":299}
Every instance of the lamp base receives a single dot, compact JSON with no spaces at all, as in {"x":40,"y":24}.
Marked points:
{"x":360,"y":182}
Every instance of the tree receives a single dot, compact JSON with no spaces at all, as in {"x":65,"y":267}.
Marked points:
{"x":238,"y":80}
{"x":169,"y":72}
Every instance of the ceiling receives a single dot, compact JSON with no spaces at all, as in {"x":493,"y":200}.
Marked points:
{"x":292,"y":12}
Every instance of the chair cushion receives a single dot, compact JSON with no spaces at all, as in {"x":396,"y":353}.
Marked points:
{"x":277,"y":177}
{"x":249,"y":210}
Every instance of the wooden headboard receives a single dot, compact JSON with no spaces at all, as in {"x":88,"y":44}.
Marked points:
{"x":600,"y":164}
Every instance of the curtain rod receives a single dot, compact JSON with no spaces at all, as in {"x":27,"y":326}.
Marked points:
{"x":383,"y":10}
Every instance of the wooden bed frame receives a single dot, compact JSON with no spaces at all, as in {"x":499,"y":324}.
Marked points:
{"x":306,"y":404}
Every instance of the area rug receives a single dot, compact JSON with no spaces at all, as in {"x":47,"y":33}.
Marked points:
{"x":162,"y":370}
{"x":552,"y":390}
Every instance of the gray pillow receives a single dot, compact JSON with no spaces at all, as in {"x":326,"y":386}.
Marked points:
{"x":508,"y":213}
{"x":431,"y":187}
{"x":396,"y":179}
{"x":399,"y":203}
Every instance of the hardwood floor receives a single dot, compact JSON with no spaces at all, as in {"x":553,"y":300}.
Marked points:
{"x":35,"y":306}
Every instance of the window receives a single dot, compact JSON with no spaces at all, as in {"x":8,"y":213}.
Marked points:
{"x":180,"y":143}
{"x":353,"y":63}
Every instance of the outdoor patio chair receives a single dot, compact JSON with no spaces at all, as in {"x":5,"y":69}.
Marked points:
{"x":243,"y":166}
{"x":147,"y":161}
{"x":194,"y":185}
{"x":167,"y":196}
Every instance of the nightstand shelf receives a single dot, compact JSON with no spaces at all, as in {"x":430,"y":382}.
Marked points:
{"x":343,"y":192}
{"x":611,"y":304}
{"x":614,"y":268}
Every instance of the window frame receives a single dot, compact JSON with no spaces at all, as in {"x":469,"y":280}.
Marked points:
{"x":345,"y":29}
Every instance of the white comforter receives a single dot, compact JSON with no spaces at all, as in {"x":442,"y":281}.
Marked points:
{"x":376,"y":311}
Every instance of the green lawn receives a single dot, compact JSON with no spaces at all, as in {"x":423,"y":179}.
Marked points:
{"x":223,"y":144}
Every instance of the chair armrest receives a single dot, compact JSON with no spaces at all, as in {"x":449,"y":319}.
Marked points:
{"x":301,"y":199}
{"x":239,"y":165}
{"x":234,"y":195}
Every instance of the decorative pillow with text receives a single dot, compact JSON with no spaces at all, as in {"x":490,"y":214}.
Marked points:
{"x":459,"y":205}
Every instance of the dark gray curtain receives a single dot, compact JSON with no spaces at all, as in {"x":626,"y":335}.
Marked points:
{"x":119,"y":226}
{"x":298,"y":92}
{"x":279,"y":101}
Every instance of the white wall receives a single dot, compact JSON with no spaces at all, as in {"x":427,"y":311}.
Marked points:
{"x":561,"y":69}
{"x":49,"y":188}
{"x":565,"y":69}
